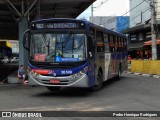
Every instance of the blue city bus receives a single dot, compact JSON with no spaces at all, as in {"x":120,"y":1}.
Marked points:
{"x":73,"y":53}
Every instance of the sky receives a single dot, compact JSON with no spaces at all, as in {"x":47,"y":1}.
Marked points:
{"x":108,"y":8}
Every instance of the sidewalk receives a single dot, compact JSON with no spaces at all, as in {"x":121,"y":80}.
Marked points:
{"x":12,"y":78}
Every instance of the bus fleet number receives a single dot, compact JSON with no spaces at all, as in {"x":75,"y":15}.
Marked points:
{"x":66,"y":72}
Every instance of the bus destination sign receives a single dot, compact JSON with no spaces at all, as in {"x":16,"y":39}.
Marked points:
{"x":58,"y":25}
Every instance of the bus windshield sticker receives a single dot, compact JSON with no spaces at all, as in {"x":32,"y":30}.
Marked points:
{"x":58,"y":59}
{"x":70,"y":59}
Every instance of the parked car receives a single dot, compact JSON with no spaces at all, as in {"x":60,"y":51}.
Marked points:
{"x":5,"y":60}
{"x":14,"y":60}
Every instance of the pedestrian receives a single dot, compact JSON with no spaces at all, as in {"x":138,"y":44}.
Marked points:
{"x":129,"y":58}
{"x":21,"y":74}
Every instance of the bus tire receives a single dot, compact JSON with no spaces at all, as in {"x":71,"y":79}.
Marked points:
{"x":53,"y":88}
{"x":99,"y":83}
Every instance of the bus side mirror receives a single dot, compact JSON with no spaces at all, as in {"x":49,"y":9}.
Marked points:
{"x":90,"y":55}
{"x":26,"y":39}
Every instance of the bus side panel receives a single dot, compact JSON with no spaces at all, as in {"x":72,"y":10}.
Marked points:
{"x":110,"y":66}
{"x":124,"y":62}
{"x":100,"y":63}
{"x":115,"y":60}
{"x":107,"y":64}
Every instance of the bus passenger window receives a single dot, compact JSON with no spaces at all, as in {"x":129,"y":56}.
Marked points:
{"x":106,"y":47}
{"x":111,"y":43}
{"x":119,"y":44}
{"x":115,"y":43}
{"x":100,"y":47}
{"x":106,"y":38}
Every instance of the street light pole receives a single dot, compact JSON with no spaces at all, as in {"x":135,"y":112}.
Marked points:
{"x":153,"y":31}
{"x":92,"y":13}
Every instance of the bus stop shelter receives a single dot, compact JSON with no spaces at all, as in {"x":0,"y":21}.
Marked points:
{"x":16,"y":14}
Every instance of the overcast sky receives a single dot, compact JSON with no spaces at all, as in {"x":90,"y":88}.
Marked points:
{"x":108,"y":8}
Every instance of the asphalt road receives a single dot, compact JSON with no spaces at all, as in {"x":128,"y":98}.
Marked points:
{"x":131,"y":93}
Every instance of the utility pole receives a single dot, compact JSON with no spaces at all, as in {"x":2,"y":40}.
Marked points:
{"x":98,"y":6}
{"x":153,"y":30}
{"x":92,"y":12}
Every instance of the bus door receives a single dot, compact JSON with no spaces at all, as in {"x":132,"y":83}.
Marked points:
{"x":91,"y":53}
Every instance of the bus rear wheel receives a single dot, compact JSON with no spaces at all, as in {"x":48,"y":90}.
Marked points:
{"x":99,"y":83}
{"x":53,"y":88}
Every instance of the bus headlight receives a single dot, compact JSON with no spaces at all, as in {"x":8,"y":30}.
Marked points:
{"x":34,"y":73}
{"x":80,"y":73}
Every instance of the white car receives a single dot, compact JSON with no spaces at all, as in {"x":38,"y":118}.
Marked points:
{"x":5,"y":60}
{"x":14,"y":60}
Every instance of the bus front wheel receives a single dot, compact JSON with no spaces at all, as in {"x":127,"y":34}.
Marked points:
{"x":99,"y":83}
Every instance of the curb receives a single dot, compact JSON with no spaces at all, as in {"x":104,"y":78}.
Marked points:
{"x":137,"y":73}
{"x":156,"y":76}
{"x":145,"y":75}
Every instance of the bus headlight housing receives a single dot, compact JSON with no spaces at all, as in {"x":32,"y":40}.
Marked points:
{"x":34,"y":73}
{"x":80,"y":73}
{"x":37,"y":72}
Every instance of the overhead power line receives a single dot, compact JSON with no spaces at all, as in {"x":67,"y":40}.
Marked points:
{"x":133,"y":8}
{"x":130,"y":11}
{"x":135,"y":18}
{"x":101,"y":3}
{"x":92,"y":8}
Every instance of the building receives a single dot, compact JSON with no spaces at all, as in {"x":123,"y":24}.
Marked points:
{"x":5,"y":49}
{"x":10,"y":49}
{"x":140,"y":29}
{"x":15,"y":46}
{"x":116,"y":23}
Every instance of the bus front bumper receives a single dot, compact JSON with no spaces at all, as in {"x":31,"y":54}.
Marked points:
{"x":65,"y":81}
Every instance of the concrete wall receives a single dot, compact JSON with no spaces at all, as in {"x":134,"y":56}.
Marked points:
{"x":158,"y":9}
{"x":15,"y":46}
{"x":108,"y":22}
{"x":116,"y":23}
{"x":139,"y":15}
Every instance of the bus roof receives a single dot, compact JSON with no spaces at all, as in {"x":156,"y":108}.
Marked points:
{"x":103,"y":29}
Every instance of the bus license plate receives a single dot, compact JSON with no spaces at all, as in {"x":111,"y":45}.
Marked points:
{"x":55,"y":81}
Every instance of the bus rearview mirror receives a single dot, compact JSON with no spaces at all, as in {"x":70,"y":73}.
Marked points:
{"x":90,"y":55}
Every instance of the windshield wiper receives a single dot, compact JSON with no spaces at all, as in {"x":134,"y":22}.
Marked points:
{"x":45,"y":41}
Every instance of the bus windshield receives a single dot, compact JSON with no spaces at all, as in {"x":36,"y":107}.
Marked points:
{"x":50,"y":47}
